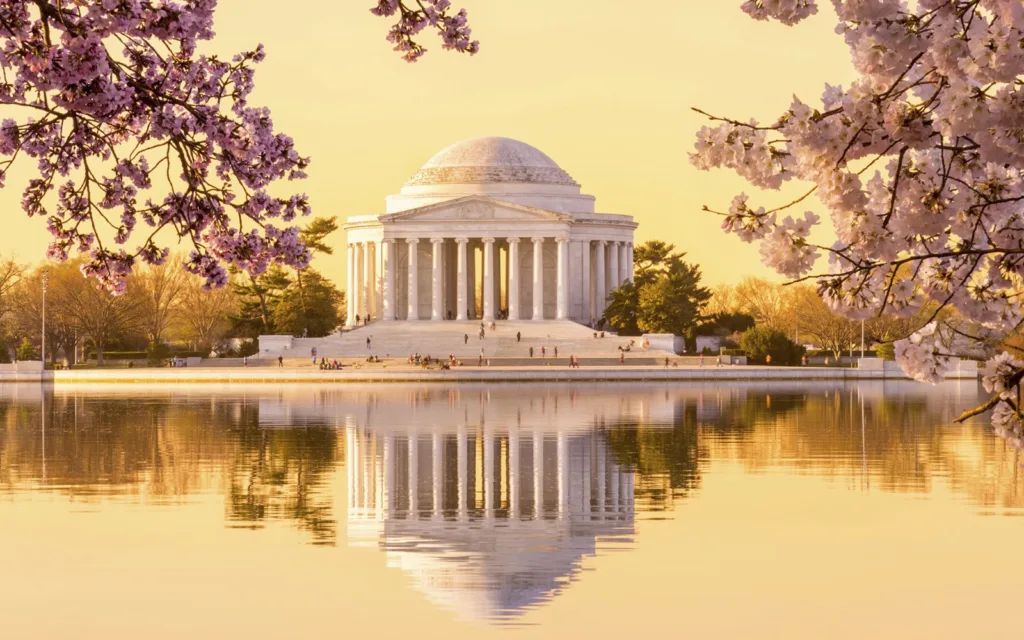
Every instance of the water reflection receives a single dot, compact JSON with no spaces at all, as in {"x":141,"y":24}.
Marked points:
{"x":489,"y":499}
{"x":486,"y":521}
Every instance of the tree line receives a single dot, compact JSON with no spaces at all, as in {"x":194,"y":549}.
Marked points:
{"x":164,"y":309}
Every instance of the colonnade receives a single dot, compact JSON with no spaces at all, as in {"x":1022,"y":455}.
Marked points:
{"x":586,"y":269}
{"x":496,"y":475}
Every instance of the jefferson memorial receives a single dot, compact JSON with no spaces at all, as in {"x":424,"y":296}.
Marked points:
{"x":488,"y":228}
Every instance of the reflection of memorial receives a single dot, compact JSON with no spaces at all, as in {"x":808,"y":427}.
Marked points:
{"x":485,"y":522}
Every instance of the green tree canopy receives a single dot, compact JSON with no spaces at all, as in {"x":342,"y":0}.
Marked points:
{"x":665,"y":295}
{"x":315,"y":313}
{"x":760,"y":342}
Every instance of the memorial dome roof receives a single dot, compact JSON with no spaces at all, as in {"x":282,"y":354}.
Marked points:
{"x":490,"y":160}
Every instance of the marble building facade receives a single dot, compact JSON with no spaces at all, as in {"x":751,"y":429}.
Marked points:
{"x":487,"y":228}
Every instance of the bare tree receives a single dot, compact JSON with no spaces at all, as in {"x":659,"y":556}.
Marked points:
{"x":159,"y":288}
{"x":101,"y":316}
{"x":827,"y":330}
{"x":202,"y":315}
{"x":768,"y":302}
{"x":62,"y":330}
{"x":723,"y":300}
{"x":11,"y":274}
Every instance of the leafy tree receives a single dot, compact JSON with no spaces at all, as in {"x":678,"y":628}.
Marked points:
{"x":5,"y":351}
{"x":257,"y":297}
{"x":317,"y":316}
{"x":664,"y":296}
{"x":725,"y":324}
{"x":760,"y":342}
{"x":26,"y":351}
{"x":314,"y":236}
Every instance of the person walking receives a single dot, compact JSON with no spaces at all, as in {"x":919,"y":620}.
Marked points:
{"x":543,"y":352}
{"x":367,"y":343}
{"x":245,"y":361}
{"x":622,"y":357}
{"x":768,"y":359}
{"x":519,"y":336}
{"x":481,"y":357}
{"x":531,"y":352}
{"x":556,"y":351}
{"x":701,"y":359}
{"x":280,"y":361}
{"x":803,"y":361}
{"x":465,"y":338}
{"x":719,"y":362}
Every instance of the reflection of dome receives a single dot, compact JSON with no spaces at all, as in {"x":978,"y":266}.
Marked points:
{"x":490,"y":160}
{"x":485,"y":523}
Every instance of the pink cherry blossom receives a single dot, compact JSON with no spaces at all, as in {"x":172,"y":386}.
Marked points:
{"x":919,"y":164}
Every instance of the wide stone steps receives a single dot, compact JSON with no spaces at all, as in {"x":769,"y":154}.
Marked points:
{"x":439,"y":339}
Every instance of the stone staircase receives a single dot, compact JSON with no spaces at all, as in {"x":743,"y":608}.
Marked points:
{"x":438,"y":339}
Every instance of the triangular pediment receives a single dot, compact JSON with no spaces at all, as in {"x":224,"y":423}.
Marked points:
{"x":472,"y":208}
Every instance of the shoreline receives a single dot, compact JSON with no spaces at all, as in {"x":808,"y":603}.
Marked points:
{"x":263,"y":375}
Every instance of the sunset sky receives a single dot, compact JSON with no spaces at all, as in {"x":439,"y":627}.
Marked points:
{"x":603,"y":88}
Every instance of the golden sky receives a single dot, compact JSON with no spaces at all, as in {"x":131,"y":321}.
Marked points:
{"x":604,"y":88}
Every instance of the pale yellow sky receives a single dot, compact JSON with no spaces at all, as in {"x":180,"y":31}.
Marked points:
{"x":602,"y":88}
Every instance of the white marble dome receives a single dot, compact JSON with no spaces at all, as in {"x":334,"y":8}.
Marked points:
{"x":488,"y":161}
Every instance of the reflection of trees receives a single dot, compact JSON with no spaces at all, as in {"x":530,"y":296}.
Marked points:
{"x":665,"y":459}
{"x":274,"y":475}
{"x":896,"y":442}
{"x":167,"y":448}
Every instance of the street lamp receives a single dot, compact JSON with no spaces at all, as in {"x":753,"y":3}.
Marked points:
{"x":46,"y":281}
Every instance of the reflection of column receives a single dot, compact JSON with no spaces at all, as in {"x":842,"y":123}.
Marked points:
{"x":538,"y":474}
{"x":388,"y":249}
{"x":513,"y":278}
{"x":563,"y":279}
{"x":350,"y":447}
{"x":600,"y":278}
{"x":414,"y":475}
{"x":463,"y":462}
{"x":435,"y":474}
{"x":538,"y":278}
{"x":462,"y":295}
{"x":601,"y":470}
{"x":513,"y":474}
{"x":563,"y":474}
{"x":389,"y":475}
{"x":614,"y":484}
{"x":488,"y":472}
{"x":437,"y":292}
{"x":489,"y":279}
{"x":365,"y":460}
{"x":414,"y":279}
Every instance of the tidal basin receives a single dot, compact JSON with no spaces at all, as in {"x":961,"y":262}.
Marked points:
{"x":728,"y":509}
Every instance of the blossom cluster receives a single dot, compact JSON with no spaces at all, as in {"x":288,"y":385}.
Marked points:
{"x":452,"y":27}
{"x":919,"y":164}
{"x":117,"y":109}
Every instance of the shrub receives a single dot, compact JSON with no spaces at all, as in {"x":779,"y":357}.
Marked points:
{"x":26,"y":351}
{"x":886,"y":350}
{"x":760,"y":342}
{"x":157,"y":353}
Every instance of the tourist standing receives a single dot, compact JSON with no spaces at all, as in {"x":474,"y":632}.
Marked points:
{"x":543,"y":352}
{"x":719,"y":362}
{"x":481,"y":357}
{"x":622,"y":357}
{"x":367,"y":343}
{"x":245,"y":361}
{"x":556,"y":351}
{"x":519,"y":336}
{"x":280,"y":361}
{"x":701,"y":359}
{"x":768,"y":359}
{"x":531,"y":352}
{"x":465,"y":338}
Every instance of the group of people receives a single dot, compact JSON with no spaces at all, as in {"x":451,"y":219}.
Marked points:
{"x":329,"y":365}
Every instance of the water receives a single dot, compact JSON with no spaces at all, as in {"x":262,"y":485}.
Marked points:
{"x":767,"y":510}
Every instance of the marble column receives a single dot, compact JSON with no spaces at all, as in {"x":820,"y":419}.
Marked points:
{"x":513,"y":278}
{"x":437,"y":295}
{"x":613,"y":266}
{"x":600,"y":280}
{"x":350,"y":290}
{"x":625,"y":264}
{"x":489,"y":279}
{"x":414,"y":280}
{"x":388,"y":249}
{"x":538,"y":278}
{"x":360,"y":288}
{"x":462,"y":295}
{"x":629,"y":255}
{"x":588,"y":296}
{"x":563,"y":278}
{"x":369,"y":281}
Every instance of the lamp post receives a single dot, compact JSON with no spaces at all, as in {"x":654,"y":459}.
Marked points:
{"x":46,"y":281}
